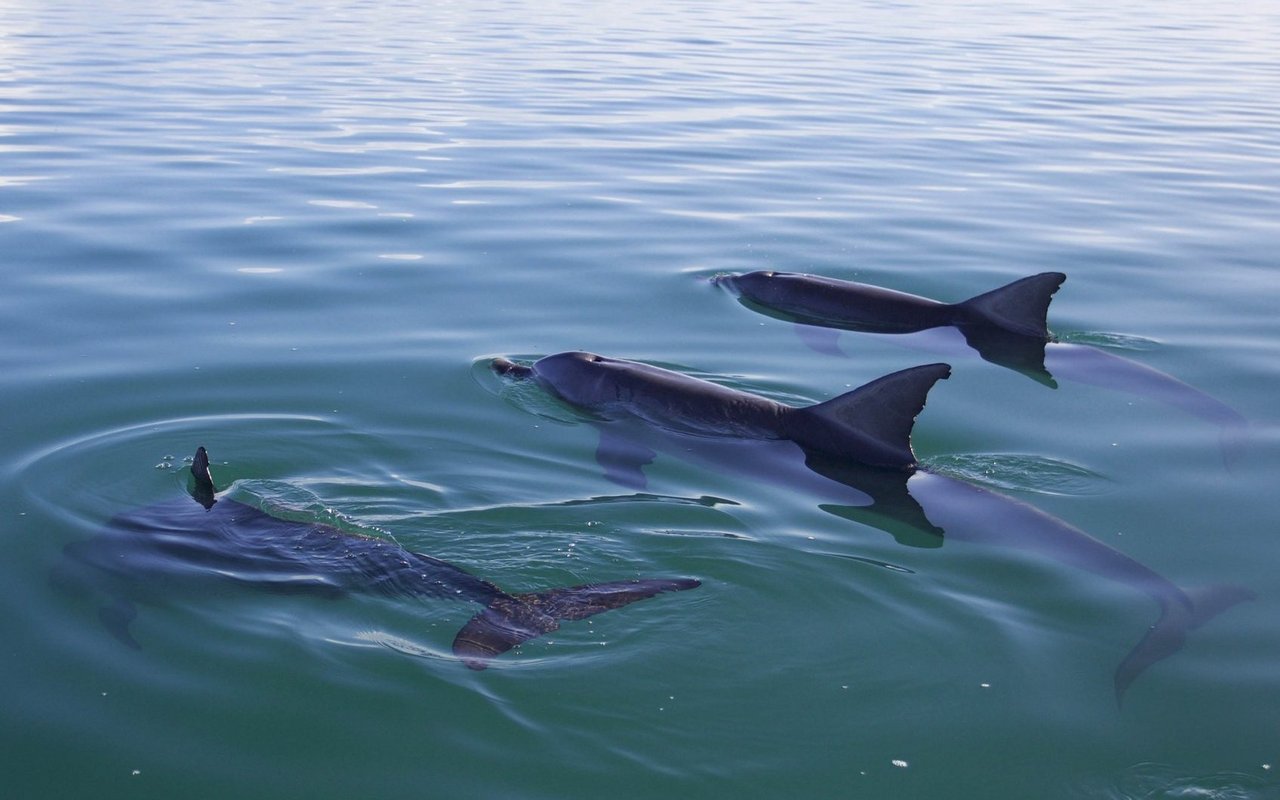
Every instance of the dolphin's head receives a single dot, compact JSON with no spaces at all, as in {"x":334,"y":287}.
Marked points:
{"x":762,"y":285}
{"x":583,"y":379}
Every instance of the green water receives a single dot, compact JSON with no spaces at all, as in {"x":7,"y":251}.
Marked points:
{"x":296,"y":234}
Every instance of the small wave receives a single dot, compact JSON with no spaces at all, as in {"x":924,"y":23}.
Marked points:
{"x":290,"y":501}
{"x":400,"y":645}
{"x":1160,"y":782}
{"x":85,"y":478}
{"x":644,"y":497}
{"x":1109,"y":341}
{"x":876,"y":563}
{"x":1024,"y":473}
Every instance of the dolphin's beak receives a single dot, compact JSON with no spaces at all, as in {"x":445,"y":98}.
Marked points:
{"x":505,"y":366}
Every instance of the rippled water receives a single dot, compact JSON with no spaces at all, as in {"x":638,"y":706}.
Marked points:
{"x":296,"y":234}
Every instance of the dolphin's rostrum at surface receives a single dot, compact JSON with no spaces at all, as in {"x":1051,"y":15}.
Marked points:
{"x":855,"y":450}
{"x":226,"y":539}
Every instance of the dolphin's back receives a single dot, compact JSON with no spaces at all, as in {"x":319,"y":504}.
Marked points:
{"x":817,"y":300}
{"x":1019,"y":307}
{"x":661,"y":397}
{"x":236,"y":541}
{"x":228,"y":540}
{"x":870,"y":425}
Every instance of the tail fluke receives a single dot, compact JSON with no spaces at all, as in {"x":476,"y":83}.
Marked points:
{"x":510,"y":620}
{"x":1167,"y":636}
{"x":1021,"y":307}
{"x":872,"y":424}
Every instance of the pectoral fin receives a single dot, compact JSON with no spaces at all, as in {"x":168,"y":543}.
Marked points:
{"x":623,"y":460}
{"x":116,"y":618}
{"x":820,"y":340}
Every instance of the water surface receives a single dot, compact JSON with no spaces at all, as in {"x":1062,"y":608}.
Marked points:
{"x":294,"y":233}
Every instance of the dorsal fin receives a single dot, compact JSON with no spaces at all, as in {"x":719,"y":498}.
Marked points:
{"x":1021,"y":306}
{"x":204,"y":490}
{"x":872,"y":424}
{"x":200,"y":469}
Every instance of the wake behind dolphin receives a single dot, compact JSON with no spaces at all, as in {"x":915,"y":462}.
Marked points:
{"x":854,"y":453}
{"x":228,"y":540}
{"x":1006,"y":326}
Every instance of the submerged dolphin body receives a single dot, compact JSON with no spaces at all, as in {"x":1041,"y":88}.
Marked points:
{"x":1006,"y":326}
{"x":854,"y":454}
{"x":228,"y":540}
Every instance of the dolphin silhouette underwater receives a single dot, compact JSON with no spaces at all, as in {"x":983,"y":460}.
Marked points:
{"x":226,"y":539}
{"x":1006,"y":326}
{"x":854,"y":450}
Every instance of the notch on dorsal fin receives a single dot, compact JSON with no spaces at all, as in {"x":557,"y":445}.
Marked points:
{"x":1021,"y":307}
{"x":872,"y":424}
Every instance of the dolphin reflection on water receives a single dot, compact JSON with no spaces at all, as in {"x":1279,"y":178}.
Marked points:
{"x":227,"y":540}
{"x":853,"y":453}
{"x":1005,"y":326}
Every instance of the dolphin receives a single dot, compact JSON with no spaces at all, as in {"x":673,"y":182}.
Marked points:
{"x":854,"y":453}
{"x":871,"y":425}
{"x":225,"y":539}
{"x":1006,"y":326}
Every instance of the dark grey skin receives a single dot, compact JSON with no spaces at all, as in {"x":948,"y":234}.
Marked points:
{"x":1019,"y":308}
{"x":1005,"y":326}
{"x":871,"y":425}
{"x":854,"y":454}
{"x":222,"y":539}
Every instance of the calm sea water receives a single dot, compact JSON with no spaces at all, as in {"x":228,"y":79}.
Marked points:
{"x":295,"y":232}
